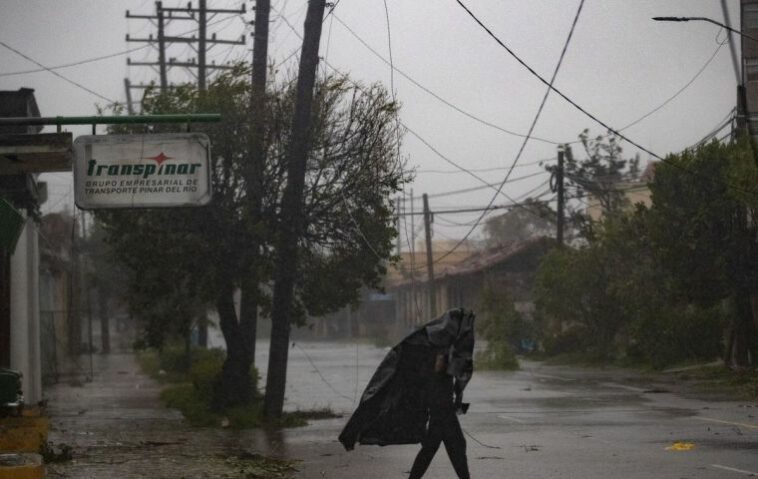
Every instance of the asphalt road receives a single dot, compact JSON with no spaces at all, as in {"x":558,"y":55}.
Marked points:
{"x":539,"y":422}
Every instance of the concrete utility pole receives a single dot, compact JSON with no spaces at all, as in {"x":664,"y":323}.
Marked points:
{"x":128,"y":91}
{"x":201,"y":46}
{"x":292,"y":224}
{"x":561,"y":199}
{"x":200,"y":67}
{"x":255,"y":171}
{"x":161,"y":46}
{"x":429,"y":258}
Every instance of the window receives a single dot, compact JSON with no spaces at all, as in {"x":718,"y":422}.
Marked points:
{"x":751,"y":69}
{"x":750,"y":16}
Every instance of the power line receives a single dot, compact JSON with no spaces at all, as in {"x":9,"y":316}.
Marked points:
{"x":432,"y":93}
{"x":77,"y":63}
{"x":485,"y":170}
{"x":488,"y":185}
{"x":551,"y":87}
{"x":76,"y":84}
{"x":96,"y":59}
{"x":534,"y":122}
{"x":672,"y":97}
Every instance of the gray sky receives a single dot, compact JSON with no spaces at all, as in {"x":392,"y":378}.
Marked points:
{"x":620,"y":65}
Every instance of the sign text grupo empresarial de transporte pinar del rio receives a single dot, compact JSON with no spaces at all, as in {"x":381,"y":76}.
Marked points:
{"x":142,"y":171}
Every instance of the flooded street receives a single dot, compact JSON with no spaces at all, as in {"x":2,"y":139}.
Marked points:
{"x":542,"y":421}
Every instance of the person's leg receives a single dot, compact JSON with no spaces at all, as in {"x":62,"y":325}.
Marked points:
{"x":455,"y":445}
{"x":429,"y":447}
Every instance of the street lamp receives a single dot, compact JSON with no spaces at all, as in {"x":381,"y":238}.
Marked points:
{"x":703,"y":19}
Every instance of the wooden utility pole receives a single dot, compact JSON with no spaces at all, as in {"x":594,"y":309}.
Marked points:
{"x":561,"y":199}
{"x":165,"y":15}
{"x":429,"y":258}
{"x":291,"y":224}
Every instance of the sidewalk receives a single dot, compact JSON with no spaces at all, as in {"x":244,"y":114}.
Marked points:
{"x":118,"y":428}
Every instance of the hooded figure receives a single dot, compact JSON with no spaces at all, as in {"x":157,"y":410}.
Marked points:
{"x":409,"y":399}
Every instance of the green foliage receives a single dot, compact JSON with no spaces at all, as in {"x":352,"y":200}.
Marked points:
{"x":703,"y":227}
{"x":626,"y":293}
{"x":572,"y":291}
{"x":181,"y":260}
{"x":678,"y":333}
{"x":503,"y":328}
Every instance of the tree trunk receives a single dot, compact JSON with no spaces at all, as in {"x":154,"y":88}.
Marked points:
{"x":234,"y":385}
{"x":744,"y":335}
{"x":202,"y":330}
{"x":291,"y":224}
{"x":105,"y":331}
{"x":249,"y":318}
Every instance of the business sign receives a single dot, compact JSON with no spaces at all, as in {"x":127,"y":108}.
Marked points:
{"x":142,"y":171}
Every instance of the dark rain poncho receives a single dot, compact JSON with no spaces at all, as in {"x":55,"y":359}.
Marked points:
{"x":394,"y":408}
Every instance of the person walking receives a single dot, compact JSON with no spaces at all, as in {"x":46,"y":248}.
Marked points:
{"x":417,"y":391}
{"x":443,"y":422}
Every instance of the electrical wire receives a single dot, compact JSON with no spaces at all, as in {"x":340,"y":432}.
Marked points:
{"x":432,"y":93}
{"x":76,"y":84}
{"x":77,"y":63}
{"x":678,"y":92}
{"x":534,"y":121}
{"x":485,"y":170}
{"x":96,"y":59}
{"x":553,"y":88}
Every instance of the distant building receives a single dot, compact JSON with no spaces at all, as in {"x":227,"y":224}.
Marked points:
{"x":506,"y":270}
{"x":749,"y":16}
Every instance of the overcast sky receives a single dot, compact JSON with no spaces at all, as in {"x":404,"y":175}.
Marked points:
{"x":620,"y":65}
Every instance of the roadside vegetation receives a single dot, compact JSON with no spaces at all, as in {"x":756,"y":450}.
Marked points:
{"x":665,"y":285}
{"x":191,"y":378}
{"x":504,"y":330}
{"x":660,"y":285}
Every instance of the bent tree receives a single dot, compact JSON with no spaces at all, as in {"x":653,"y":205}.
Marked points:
{"x":177,"y":257}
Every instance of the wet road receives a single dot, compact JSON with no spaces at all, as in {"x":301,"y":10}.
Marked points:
{"x":540,"y":422}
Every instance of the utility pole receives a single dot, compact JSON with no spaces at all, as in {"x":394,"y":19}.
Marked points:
{"x":255,"y":172}
{"x":201,"y":46}
{"x":398,"y":211}
{"x":128,"y":91}
{"x":161,"y":46}
{"x":561,"y":196}
{"x":198,"y":67}
{"x":292,"y":224}
{"x":429,"y":258}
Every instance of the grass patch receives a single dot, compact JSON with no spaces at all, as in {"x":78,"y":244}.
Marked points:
{"x":257,"y":466}
{"x":717,"y":378}
{"x":190,"y":385}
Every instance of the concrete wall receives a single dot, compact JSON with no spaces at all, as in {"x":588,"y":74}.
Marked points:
{"x":25,"y":324}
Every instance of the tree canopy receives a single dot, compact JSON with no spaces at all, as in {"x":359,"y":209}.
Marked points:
{"x":205,"y":253}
